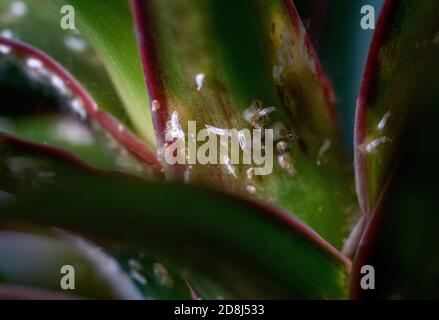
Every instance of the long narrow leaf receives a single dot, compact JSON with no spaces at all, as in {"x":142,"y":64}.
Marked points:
{"x":68,"y":47}
{"x":396,"y":156}
{"x":109,"y":28}
{"x":249,"y":64}
{"x":214,"y":252}
{"x":59,"y":127}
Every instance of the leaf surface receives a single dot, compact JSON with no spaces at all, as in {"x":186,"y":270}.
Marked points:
{"x":70,"y":48}
{"x":35,"y":257}
{"x":108,"y":26}
{"x":232,"y":249}
{"x":396,"y":156}
{"x":245,"y":65}
{"x":44,"y":103}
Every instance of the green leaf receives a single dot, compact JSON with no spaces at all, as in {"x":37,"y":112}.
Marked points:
{"x":34,"y":257}
{"x":210,"y":61}
{"x":26,"y":167}
{"x":109,"y":28}
{"x":152,"y":278}
{"x":403,"y":55}
{"x":11,"y":292}
{"x":342,"y":45}
{"x":68,"y":47}
{"x":43,"y":103}
{"x":400,"y":177}
{"x":232,"y":249}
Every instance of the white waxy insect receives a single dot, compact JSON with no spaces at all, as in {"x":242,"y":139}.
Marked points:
{"x":8,"y":34}
{"x":34,"y":63}
{"x":251,"y":173}
{"x":199,"y":80}
{"x":383,"y":122}
{"x":59,"y":84}
{"x":78,"y":108}
{"x":162,"y":274}
{"x":136,"y":270}
{"x":155,"y":105}
{"x":372,"y":146}
{"x":251,"y":189}
{"x":266,"y":111}
{"x":5,"y":49}
{"x":286,"y":163}
{"x":18,"y":9}
{"x":230,"y":168}
{"x":173,"y":128}
{"x":282,"y":146}
{"x":323,"y":149}
{"x":75,"y":43}
{"x":216,"y":131}
{"x":280,"y":131}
